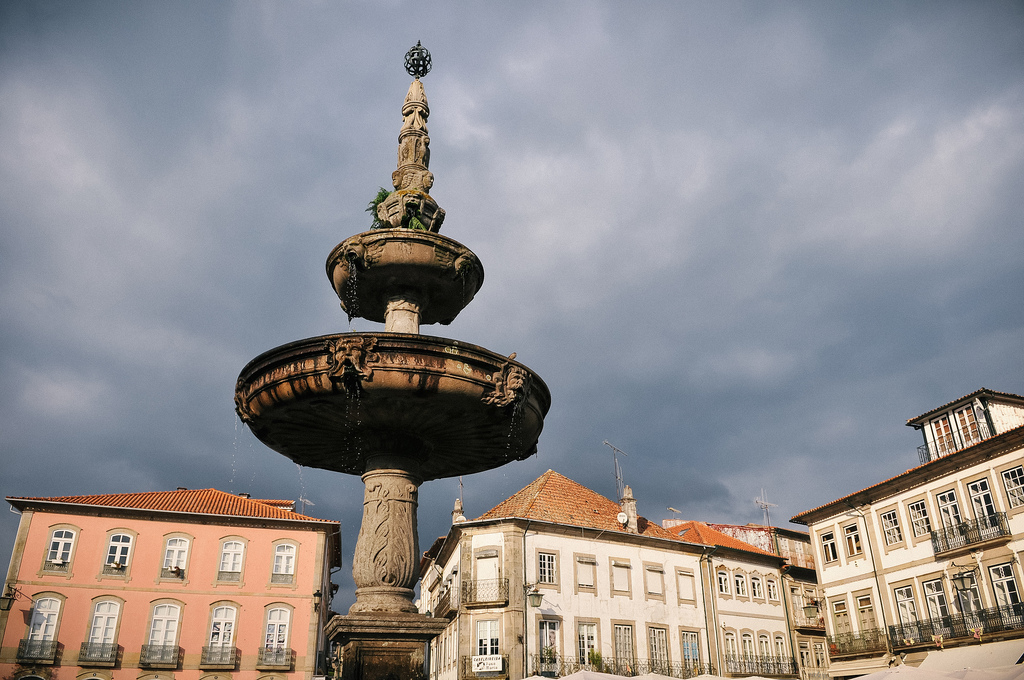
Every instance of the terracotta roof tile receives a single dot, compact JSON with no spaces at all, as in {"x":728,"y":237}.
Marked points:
{"x":699,"y":532}
{"x":556,"y":498}
{"x":197,"y":501}
{"x":972,"y":395}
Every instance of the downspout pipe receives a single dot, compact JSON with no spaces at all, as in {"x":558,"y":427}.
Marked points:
{"x":709,"y":592}
{"x":526,"y":610}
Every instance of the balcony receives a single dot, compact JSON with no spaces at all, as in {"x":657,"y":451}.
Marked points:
{"x":852,"y":644}
{"x":969,"y":533}
{"x":97,"y":654}
{"x":489,"y":592}
{"x":447,"y":606}
{"x":557,"y":666}
{"x":943,"y":446}
{"x":760,"y":665}
{"x":813,"y":623}
{"x":962,"y":626}
{"x":274,"y":658}
{"x":159,"y":656}
{"x":487,"y":666}
{"x":218,"y":656}
{"x":37,"y":651}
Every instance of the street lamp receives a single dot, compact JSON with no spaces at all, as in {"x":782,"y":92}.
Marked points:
{"x":535,"y":597}
{"x":7,"y":599}
{"x":811,"y":609}
{"x":964,"y":580}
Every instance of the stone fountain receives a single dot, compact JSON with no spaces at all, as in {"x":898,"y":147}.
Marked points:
{"x":396,"y":407}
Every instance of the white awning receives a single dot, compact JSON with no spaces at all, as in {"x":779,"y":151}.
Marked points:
{"x":842,"y":669}
{"x":985,"y":655}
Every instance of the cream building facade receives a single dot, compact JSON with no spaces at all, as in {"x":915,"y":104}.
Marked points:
{"x":614,"y":592}
{"x":925,"y":568}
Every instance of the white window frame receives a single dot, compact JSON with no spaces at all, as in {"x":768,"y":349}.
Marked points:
{"x":773,"y":589}
{"x":1013,"y":482}
{"x":829,"y":550}
{"x":919,"y":519}
{"x":1004,"y":585}
{"x":689,"y":645}
{"x":851,"y":538}
{"x":723,"y":582}
{"x":45,"y":617}
{"x":176,"y":554}
{"x":741,"y":584}
{"x":62,"y":544}
{"x":163,"y":624}
{"x":103,"y":625}
{"x":488,"y":637}
{"x":277,"y":627}
{"x":119,"y":551}
{"x":586,"y":640}
{"x":232,"y":552}
{"x":891,"y":527}
{"x":906,"y":605}
{"x":222,"y":627}
{"x":547,"y":568}
{"x":756,"y":590}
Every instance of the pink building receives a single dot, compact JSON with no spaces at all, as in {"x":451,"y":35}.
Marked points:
{"x":167,"y":585}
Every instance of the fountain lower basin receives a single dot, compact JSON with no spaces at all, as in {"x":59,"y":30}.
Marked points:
{"x":336,"y":401}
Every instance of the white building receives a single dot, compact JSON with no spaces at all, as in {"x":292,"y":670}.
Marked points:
{"x":922,"y":567}
{"x":617,"y":593}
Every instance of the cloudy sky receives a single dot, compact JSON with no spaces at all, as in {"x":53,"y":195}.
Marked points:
{"x":742,"y":242}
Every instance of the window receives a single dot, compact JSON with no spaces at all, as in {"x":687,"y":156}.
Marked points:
{"x":841,"y":617}
{"x":624,"y":643}
{"x":690,"y":644}
{"x":586,"y":637}
{"x":891,"y":528}
{"x":487,"y":637}
{"x":549,"y":646}
{"x":852,"y":535}
{"x":163,"y":630}
{"x":773,"y":590}
{"x":118,"y":549}
{"x":175,"y":558}
{"x":866,"y":613}
{"x":968,"y":423}
{"x":764,"y":645}
{"x":231,"y":561}
{"x":657,"y":642}
{"x":546,"y":568}
{"x":586,"y":570}
{"x":981,"y":499}
{"x":43,"y":627}
{"x":905,"y":605}
{"x":828,"y":547}
{"x":805,"y":655}
{"x":620,"y":577}
{"x":723,"y":582}
{"x":685,"y":586}
{"x":730,"y":644}
{"x":755,"y":587}
{"x":949,"y":509}
{"x":61,"y":542}
{"x":919,"y":518}
{"x":284,"y":563}
{"x":747,"y":644}
{"x":741,"y":585}
{"x":935,"y":599}
{"x":655,"y":578}
{"x":944,"y":442}
{"x":222,"y":627}
{"x":780,"y":646}
{"x":1004,"y":587}
{"x":104,"y":623}
{"x":820,"y":660}
{"x":1013,"y":480}
{"x":277,"y":629}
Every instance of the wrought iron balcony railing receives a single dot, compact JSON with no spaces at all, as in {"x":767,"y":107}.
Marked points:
{"x":801,"y":621}
{"x":447,"y":605}
{"x":963,"y":534}
{"x":274,"y":657}
{"x":57,"y":565}
{"x":943,"y":446}
{"x":97,"y":653}
{"x":557,"y":666}
{"x":972,"y":624}
{"x":760,"y":665}
{"x":218,"y":655}
{"x":37,"y":650}
{"x":863,"y":642}
{"x":487,"y":591}
{"x":160,"y":655}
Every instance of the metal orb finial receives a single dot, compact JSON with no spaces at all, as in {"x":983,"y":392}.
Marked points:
{"x":417,"y":61}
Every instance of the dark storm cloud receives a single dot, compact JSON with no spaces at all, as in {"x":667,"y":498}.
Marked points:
{"x":742,"y":242}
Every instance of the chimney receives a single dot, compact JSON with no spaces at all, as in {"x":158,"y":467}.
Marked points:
{"x":182,"y":488}
{"x":629,"y":507}
{"x":244,"y":495}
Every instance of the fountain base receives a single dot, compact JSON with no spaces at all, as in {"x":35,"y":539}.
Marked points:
{"x":384,"y":646}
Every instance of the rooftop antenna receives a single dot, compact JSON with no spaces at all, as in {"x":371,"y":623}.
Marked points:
{"x":675,"y":512}
{"x":762,"y":502}
{"x":460,"y":487}
{"x":618,"y":470}
{"x":305,"y":502}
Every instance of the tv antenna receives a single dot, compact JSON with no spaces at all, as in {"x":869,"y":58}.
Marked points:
{"x":675,"y":512}
{"x":619,"y":486}
{"x":304,"y":502}
{"x":762,"y":502}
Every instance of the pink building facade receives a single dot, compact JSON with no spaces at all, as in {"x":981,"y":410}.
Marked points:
{"x":176,"y":585}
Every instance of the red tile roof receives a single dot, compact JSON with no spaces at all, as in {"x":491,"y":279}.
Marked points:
{"x":555,"y":498}
{"x":197,"y":501}
{"x":966,"y":397}
{"x":699,"y":532}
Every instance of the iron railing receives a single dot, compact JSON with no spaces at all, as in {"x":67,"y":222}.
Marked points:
{"x":863,"y":642}
{"x":947,"y":444}
{"x":969,"y":532}
{"x":972,"y":624}
{"x":557,"y":666}
{"x":218,"y":655}
{"x":159,"y":655}
{"x":56,"y":565}
{"x":446,"y":605}
{"x":801,"y":621}
{"x":277,"y":657}
{"x":760,"y":665}
{"x":469,"y":672}
{"x":97,"y":652}
{"x":489,"y":591}
{"x":37,"y":650}
{"x":114,"y":569}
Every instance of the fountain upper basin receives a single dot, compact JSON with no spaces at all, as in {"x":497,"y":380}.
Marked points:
{"x":369,"y":269}
{"x":335,"y":401}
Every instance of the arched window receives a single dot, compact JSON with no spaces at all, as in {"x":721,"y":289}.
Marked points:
{"x":118,"y":549}
{"x":164,"y":628}
{"x":730,"y":643}
{"x":231,"y":553}
{"x":175,"y":558}
{"x":747,"y":641}
{"x":780,"y":646}
{"x":44,"y":619}
{"x":277,"y":629}
{"x":104,"y":622}
{"x":222,"y":629}
{"x":773,"y":590}
{"x":755,"y":587}
{"x":61,"y":542}
{"x":723,"y":582}
{"x":764,"y":645}
{"x":284,"y":563}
